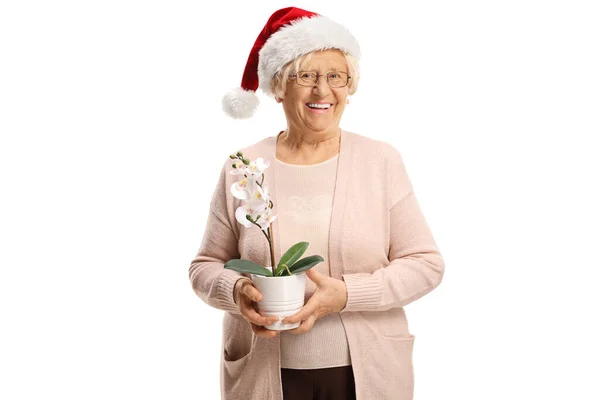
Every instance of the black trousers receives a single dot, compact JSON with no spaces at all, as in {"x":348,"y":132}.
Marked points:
{"x":335,"y":383}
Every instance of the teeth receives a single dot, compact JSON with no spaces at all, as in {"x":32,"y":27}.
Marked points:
{"x":315,"y":105}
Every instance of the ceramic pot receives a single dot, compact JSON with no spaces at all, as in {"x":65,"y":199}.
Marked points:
{"x":282,"y":296}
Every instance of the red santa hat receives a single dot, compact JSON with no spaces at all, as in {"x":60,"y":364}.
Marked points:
{"x":289,"y":33}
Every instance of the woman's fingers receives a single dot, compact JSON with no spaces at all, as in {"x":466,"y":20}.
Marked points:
{"x":305,"y":326}
{"x":252,"y":293}
{"x":309,"y":308}
{"x":248,"y":311}
{"x":253,"y":317}
{"x":262,"y":331}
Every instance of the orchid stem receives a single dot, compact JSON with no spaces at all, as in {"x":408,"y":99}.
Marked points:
{"x":270,"y":238}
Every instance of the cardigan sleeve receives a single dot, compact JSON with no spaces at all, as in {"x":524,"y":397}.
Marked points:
{"x":416,"y":266}
{"x":211,"y":282}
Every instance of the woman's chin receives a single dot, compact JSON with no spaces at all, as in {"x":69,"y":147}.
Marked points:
{"x":316,"y":125}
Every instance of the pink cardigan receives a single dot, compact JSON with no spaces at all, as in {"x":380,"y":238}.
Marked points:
{"x":379,"y":244}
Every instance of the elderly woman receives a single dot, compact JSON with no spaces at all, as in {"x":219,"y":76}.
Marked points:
{"x":350,"y":197}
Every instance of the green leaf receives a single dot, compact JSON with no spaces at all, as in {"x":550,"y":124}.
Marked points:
{"x":281,"y":270}
{"x":291,"y":256}
{"x":305,"y":264}
{"x":247,"y":266}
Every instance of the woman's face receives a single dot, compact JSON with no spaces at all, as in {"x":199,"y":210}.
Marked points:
{"x":298,"y":103}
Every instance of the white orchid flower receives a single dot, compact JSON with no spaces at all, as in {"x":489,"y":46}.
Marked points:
{"x":260,"y":194}
{"x":244,"y":189}
{"x":254,"y":212}
{"x":256,"y":197}
{"x":238,"y":168}
{"x":266,"y":219}
{"x":257,"y":167}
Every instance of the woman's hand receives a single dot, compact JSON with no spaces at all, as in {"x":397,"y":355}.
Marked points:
{"x":244,"y":295}
{"x":329,"y":297}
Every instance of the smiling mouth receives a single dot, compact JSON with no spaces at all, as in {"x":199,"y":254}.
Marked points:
{"x":319,"y":106}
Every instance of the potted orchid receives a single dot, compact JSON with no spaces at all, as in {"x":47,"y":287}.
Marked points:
{"x":283,"y":285}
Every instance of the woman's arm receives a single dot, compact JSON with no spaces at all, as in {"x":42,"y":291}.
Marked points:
{"x":416,"y":266}
{"x":211,"y":282}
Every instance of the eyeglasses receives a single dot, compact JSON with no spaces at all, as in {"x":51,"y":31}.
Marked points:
{"x":310,"y":78}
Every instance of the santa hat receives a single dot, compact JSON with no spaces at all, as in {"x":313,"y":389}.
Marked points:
{"x":290,"y":32}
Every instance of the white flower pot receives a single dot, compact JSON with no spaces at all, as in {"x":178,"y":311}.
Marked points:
{"x":282,"y":296}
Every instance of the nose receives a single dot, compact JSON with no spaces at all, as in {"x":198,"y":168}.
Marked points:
{"x":321,"y":87}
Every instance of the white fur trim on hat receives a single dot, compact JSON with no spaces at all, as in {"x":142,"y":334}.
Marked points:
{"x":302,"y":37}
{"x":239,"y":103}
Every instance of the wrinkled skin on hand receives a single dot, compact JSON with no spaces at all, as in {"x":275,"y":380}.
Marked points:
{"x":245,"y":296}
{"x":330,"y":296}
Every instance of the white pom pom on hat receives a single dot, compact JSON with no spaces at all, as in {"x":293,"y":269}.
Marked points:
{"x":288,"y":34}
{"x":240,"y":103}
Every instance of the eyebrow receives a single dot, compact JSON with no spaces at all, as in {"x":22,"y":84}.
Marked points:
{"x":330,"y":70}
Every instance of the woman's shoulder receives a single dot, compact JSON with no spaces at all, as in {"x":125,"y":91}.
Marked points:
{"x":262,"y":148}
{"x":386,"y":162}
{"x":372,"y":147}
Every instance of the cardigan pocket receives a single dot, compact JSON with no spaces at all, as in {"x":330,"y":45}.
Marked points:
{"x":238,"y":343}
{"x":237,"y":380}
{"x":232,"y":359}
{"x":249,"y":377}
{"x":401,"y":362}
{"x":234,"y":366}
{"x":235,"y":361}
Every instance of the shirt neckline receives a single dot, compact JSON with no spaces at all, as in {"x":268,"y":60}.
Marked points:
{"x":307,"y":165}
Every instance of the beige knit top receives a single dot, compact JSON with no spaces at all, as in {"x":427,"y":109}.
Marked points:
{"x":305,"y":203}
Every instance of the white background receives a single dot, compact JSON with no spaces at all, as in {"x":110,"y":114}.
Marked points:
{"x":112,"y":137}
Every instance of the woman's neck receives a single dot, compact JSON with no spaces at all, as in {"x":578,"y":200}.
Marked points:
{"x":304,"y":142}
{"x":296,"y":149}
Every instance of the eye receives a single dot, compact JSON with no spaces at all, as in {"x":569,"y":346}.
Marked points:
{"x":307,"y":75}
{"x":334,"y":75}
